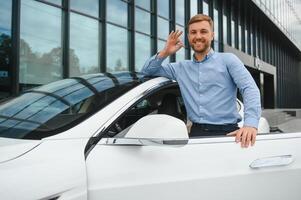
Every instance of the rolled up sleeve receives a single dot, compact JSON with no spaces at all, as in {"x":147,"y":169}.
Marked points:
{"x":248,"y":90}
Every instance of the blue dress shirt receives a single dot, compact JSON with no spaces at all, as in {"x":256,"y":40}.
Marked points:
{"x":209,"y":87}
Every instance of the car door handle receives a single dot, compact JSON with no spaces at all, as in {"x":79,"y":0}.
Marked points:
{"x":273,"y":161}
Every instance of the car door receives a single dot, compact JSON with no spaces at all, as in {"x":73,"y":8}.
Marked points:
{"x":205,"y":168}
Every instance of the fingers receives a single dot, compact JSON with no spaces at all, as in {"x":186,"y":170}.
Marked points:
{"x":178,"y":34}
{"x":247,"y":136}
{"x":232,"y":133}
{"x":253,"y":139}
{"x":180,"y":44}
{"x":244,"y":138}
{"x":238,"y":135}
{"x":175,"y":34}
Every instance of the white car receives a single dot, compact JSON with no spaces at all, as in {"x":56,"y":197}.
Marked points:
{"x":123,"y":136}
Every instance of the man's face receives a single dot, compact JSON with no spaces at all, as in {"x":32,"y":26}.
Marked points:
{"x":200,"y":36}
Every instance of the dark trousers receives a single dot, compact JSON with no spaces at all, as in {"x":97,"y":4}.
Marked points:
{"x":211,"y":129}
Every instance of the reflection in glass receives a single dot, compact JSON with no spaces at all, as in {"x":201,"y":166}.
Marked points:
{"x":215,"y":46}
{"x":232,"y":34}
{"x":58,"y":2}
{"x":117,"y":12}
{"x":40,"y":43}
{"x":246,"y":41}
{"x":90,"y":7}
{"x":5,"y":47}
{"x":5,"y":17}
{"x":180,"y":18}
{"x":251,"y":46}
{"x":117,"y":49}
{"x":205,"y":8}
{"x":39,"y":114}
{"x":161,"y":45}
{"x":83,"y":52}
{"x":163,"y":8}
{"x":180,"y":55}
{"x":142,"y":21}
{"x":163,"y":28}
{"x":216,"y":32}
{"x":143,"y":4}
{"x":142,"y":50}
{"x":193,"y":7}
{"x":239,"y":37}
{"x":225,"y":29}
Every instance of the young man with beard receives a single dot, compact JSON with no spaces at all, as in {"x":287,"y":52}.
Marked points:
{"x":209,"y":83}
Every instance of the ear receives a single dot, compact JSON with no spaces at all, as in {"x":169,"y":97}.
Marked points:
{"x":212,"y":36}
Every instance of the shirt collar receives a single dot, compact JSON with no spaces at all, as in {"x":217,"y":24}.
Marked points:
{"x":208,"y":55}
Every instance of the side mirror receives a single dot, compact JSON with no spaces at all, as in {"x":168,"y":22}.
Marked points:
{"x":263,"y":126}
{"x":160,"y":129}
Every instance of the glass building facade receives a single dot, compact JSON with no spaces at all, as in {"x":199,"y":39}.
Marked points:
{"x":47,"y":40}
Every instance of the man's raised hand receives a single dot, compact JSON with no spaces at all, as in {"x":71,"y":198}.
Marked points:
{"x":173,"y":44}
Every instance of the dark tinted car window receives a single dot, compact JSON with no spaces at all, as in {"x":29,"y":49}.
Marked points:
{"x":55,"y":107}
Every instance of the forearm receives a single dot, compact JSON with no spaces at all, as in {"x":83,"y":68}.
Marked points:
{"x":252,"y":105}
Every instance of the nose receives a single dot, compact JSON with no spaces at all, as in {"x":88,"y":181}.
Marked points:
{"x":198,"y":35}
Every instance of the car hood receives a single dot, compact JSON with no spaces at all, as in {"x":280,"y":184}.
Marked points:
{"x":13,"y":148}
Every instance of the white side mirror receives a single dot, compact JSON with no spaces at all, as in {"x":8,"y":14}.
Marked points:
{"x":168,"y":129}
{"x":263,"y":126}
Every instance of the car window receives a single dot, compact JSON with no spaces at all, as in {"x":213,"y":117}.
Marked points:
{"x":166,"y":100}
{"x":55,"y":107}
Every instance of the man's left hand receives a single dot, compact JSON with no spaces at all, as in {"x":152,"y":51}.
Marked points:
{"x":246,"y":135}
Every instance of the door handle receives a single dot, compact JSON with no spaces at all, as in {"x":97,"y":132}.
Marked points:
{"x":273,"y":161}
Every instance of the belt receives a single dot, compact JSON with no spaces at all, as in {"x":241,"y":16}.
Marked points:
{"x":220,"y":127}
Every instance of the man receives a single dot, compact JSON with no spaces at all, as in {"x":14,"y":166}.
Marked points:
{"x":209,"y":83}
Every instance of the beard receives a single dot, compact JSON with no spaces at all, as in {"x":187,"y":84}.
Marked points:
{"x":200,"y":48}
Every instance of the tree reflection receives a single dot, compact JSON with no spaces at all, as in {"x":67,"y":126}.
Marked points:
{"x":118,"y":66}
{"x":37,"y":68}
{"x":5,"y":50}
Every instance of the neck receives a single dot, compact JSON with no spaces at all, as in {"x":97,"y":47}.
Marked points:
{"x":199,"y":56}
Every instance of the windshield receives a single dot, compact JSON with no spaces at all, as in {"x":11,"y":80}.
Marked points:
{"x":55,"y":107}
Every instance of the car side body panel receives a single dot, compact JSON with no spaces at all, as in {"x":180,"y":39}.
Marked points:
{"x":56,"y":168}
{"x":208,"y":168}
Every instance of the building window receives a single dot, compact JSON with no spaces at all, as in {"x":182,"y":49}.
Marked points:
{"x":239,"y":36}
{"x":161,"y":45}
{"x":118,"y":12}
{"x":246,"y":41}
{"x":232,"y":33}
{"x":57,"y":2}
{"x":163,"y":8}
{"x":180,"y":15}
{"x":143,"y":4}
{"x":5,"y":47}
{"x":163,"y":28}
{"x":142,"y":21}
{"x":143,"y":33}
{"x":193,"y":7}
{"x":205,"y":7}
{"x":83,"y":52}
{"x":89,"y":7}
{"x":180,"y":23}
{"x":142,"y":50}
{"x":117,"y":48}
{"x":216,"y":24}
{"x":225,"y":29}
{"x":40,"y":43}
{"x":180,"y":55}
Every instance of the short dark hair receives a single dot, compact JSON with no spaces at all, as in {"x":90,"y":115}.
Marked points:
{"x":199,"y":18}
